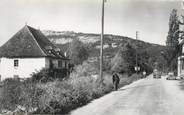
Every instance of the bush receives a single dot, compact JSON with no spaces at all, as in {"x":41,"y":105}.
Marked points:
{"x":16,"y":93}
{"x":86,"y":69}
{"x":11,"y":92}
{"x":46,"y":75}
{"x":56,"y":97}
{"x":78,"y":90}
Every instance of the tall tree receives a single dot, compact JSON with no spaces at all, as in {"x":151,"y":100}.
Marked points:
{"x":172,"y":50}
{"x":124,"y":60}
{"x":173,"y":33}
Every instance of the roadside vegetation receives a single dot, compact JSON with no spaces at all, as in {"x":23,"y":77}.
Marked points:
{"x":58,"y":96}
{"x":47,"y":93}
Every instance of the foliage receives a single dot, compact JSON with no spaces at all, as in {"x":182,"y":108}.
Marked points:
{"x":78,"y":52}
{"x":114,"y":43}
{"x":46,"y":75}
{"x":172,"y":50}
{"x":143,"y":61}
{"x":62,"y":96}
{"x":17,"y":93}
{"x":169,"y":55}
{"x":173,"y":34}
{"x":58,"y":97}
{"x":10,"y":94}
{"x":86,"y":69}
{"x":124,"y":60}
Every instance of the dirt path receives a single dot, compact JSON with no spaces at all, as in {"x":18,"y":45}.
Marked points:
{"x":144,"y":97}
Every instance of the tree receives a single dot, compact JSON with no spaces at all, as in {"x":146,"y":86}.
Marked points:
{"x":173,"y":33}
{"x":172,"y":50}
{"x":124,"y":60}
{"x":170,"y":55}
{"x":78,"y":52}
{"x":143,"y":61}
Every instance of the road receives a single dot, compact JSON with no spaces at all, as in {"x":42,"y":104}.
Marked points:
{"x":144,"y":97}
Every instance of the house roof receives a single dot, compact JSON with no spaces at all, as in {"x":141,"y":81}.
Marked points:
{"x":30,"y":42}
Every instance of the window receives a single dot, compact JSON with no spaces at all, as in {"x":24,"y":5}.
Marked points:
{"x":16,"y":63}
{"x":60,"y":64}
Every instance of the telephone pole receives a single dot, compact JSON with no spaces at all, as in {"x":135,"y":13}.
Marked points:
{"x":102,"y":36}
{"x":136,"y":53}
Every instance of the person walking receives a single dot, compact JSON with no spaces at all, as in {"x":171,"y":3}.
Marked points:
{"x":115,"y":80}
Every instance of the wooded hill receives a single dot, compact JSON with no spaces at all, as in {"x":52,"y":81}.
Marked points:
{"x":112,"y":44}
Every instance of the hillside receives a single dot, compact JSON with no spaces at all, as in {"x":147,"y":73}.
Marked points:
{"x":111,"y":42}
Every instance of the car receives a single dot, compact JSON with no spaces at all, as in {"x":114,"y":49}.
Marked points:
{"x":156,"y":74}
{"x":171,"y":76}
{"x":178,"y":78}
{"x":181,"y":76}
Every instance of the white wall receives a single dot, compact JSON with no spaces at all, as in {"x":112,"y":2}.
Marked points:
{"x":183,"y":48}
{"x":180,"y":64}
{"x":25,"y":68}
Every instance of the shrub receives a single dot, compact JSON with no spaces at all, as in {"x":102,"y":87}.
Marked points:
{"x":86,"y":69}
{"x":11,"y":92}
{"x":30,"y":95}
{"x":46,"y":75}
{"x":16,"y":93}
{"x":62,"y":96}
{"x":43,"y":75}
{"x":56,"y":97}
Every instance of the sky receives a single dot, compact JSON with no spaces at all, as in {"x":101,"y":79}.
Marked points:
{"x":122,"y":17}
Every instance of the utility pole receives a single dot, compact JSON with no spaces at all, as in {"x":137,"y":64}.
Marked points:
{"x":136,"y":53}
{"x":102,"y":36}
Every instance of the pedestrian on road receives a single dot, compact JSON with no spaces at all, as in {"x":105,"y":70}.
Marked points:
{"x":115,"y":80}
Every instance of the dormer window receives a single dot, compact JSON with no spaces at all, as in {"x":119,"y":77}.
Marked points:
{"x":16,"y":63}
{"x":49,"y":49}
{"x":57,"y":50}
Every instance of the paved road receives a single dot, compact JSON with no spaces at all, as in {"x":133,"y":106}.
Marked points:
{"x":144,"y":97}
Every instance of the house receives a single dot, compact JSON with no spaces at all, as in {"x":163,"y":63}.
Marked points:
{"x":29,"y":51}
